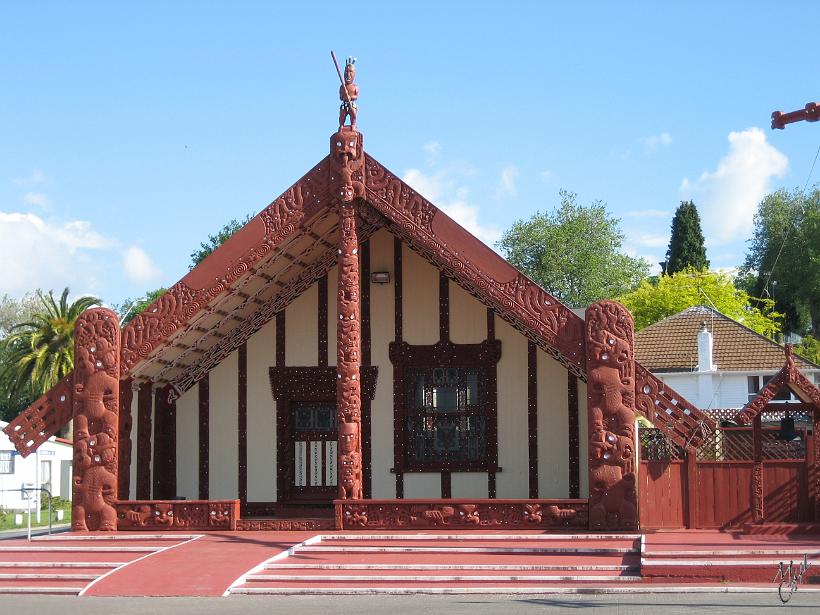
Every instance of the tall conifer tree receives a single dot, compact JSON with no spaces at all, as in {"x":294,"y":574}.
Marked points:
{"x":686,"y":247}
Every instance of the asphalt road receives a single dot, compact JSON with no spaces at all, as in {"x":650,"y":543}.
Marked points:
{"x":673,"y":604}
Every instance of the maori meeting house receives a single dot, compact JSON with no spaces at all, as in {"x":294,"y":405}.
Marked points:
{"x":353,"y":358}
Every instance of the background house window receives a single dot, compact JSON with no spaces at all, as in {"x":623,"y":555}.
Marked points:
{"x":6,"y":462}
{"x":446,"y":416}
{"x":754,"y":386}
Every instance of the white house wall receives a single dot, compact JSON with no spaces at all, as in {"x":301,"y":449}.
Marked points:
{"x":261,"y":416}
{"x":187,"y":437}
{"x":223,"y":418}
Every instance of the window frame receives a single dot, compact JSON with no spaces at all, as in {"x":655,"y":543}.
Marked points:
{"x":483,"y":356}
{"x":9,"y":461}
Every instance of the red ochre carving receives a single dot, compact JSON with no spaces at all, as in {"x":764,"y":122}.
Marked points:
{"x":468,"y":514}
{"x":96,"y":429}
{"x":173,"y":514}
{"x":611,"y":402}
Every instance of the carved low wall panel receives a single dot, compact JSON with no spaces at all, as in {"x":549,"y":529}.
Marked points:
{"x":158,"y":515}
{"x":284,"y":525}
{"x":462,"y":514}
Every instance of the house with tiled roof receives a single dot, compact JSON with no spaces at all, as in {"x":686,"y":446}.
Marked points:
{"x":714,"y":361}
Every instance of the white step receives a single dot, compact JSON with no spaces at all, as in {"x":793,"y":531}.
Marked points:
{"x":725,"y":562}
{"x":50,"y":577}
{"x":116,"y":536}
{"x":437,"y":578}
{"x":79,"y":549}
{"x":352,"y":566}
{"x":456,"y":550}
{"x":61,"y":564}
{"x":41,"y":590}
{"x":649,"y":588}
{"x":773,"y":552}
{"x":483,"y":537}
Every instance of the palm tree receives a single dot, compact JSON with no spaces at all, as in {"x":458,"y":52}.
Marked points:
{"x":40,"y":352}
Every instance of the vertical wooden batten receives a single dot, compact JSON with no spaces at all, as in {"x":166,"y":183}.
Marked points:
{"x":398,"y":314}
{"x":144,"y":433}
{"x":532,"y":417}
{"x":574,"y":443}
{"x":204,"y":437}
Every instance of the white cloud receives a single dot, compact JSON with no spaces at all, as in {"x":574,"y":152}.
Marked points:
{"x":727,"y":198}
{"x":445,"y":192}
{"x":653,"y":142}
{"x":652,"y":241}
{"x":138,"y":265}
{"x":507,"y":187}
{"x":37,"y":198}
{"x":35,"y":253}
{"x":548,"y":175}
{"x":433,"y":148}
{"x":36,"y":177}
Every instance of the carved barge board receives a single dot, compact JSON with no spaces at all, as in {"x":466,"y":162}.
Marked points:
{"x":481,"y":514}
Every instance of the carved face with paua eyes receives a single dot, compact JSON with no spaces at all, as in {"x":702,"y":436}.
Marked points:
{"x":348,"y":437}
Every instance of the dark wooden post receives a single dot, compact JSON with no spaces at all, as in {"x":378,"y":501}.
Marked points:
{"x":613,"y":497}
{"x":96,"y":405}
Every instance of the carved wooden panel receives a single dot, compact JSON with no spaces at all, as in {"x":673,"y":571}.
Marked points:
{"x":486,"y":514}
{"x":159,"y":515}
{"x":96,"y":420}
{"x":613,"y":500}
{"x":42,"y":419}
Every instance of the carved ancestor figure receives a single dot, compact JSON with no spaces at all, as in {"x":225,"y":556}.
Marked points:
{"x":348,"y":94}
{"x":611,"y":402}
{"x":95,"y":487}
{"x":350,"y":461}
{"x":95,"y":404}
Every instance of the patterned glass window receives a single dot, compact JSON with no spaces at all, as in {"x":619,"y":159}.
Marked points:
{"x":314,"y":417}
{"x":446,"y":418}
{"x":6,"y":462}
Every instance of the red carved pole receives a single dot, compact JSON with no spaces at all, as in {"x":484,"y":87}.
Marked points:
{"x":347,"y":179}
{"x":613,"y":498}
{"x":96,"y":420}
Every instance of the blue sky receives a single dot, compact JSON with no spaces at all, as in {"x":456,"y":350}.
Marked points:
{"x":128,"y":132}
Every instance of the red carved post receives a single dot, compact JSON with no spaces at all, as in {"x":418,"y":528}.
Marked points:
{"x":757,"y":470}
{"x":347,"y":179}
{"x":96,"y":420}
{"x":613,"y":498}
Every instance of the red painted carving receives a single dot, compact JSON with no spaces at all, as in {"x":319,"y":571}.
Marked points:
{"x":284,"y":525}
{"x":348,"y":94}
{"x":810,"y":113}
{"x":158,"y":515}
{"x":611,"y":402}
{"x":42,"y":419}
{"x":348,"y":181}
{"x":96,"y":429}
{"x":462,"y":514}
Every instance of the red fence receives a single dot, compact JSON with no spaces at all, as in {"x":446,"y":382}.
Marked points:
{"x":714,"y":487}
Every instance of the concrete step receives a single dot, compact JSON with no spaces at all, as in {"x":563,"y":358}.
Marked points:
{"x":492,"y":567}
{"x":459,"y":549}
{"x":69,"y":591}
{"x":329,"y":580}
{"x":49,"y":564}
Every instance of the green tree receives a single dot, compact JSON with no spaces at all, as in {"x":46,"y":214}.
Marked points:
{"x":809,"y":347}
{"x":40,"y":351}
{"x":686,"y":248}
{"x":131,"y":307}
{"x":783,"y":259}
{"x":214,"y":241}
{"x":674,"y":293}
{"x":574,"y":252}
{"x":13,"y":312}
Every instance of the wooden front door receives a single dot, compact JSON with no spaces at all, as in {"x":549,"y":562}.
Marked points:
{"x":310,"y":440}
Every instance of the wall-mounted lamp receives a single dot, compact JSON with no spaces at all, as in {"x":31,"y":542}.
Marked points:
{"x":380,"y":277}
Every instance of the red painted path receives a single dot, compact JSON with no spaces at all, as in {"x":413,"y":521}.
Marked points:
{"x":205,"y":566}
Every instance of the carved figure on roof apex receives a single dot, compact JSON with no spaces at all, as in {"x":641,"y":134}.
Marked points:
{"x":349,"y":94}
